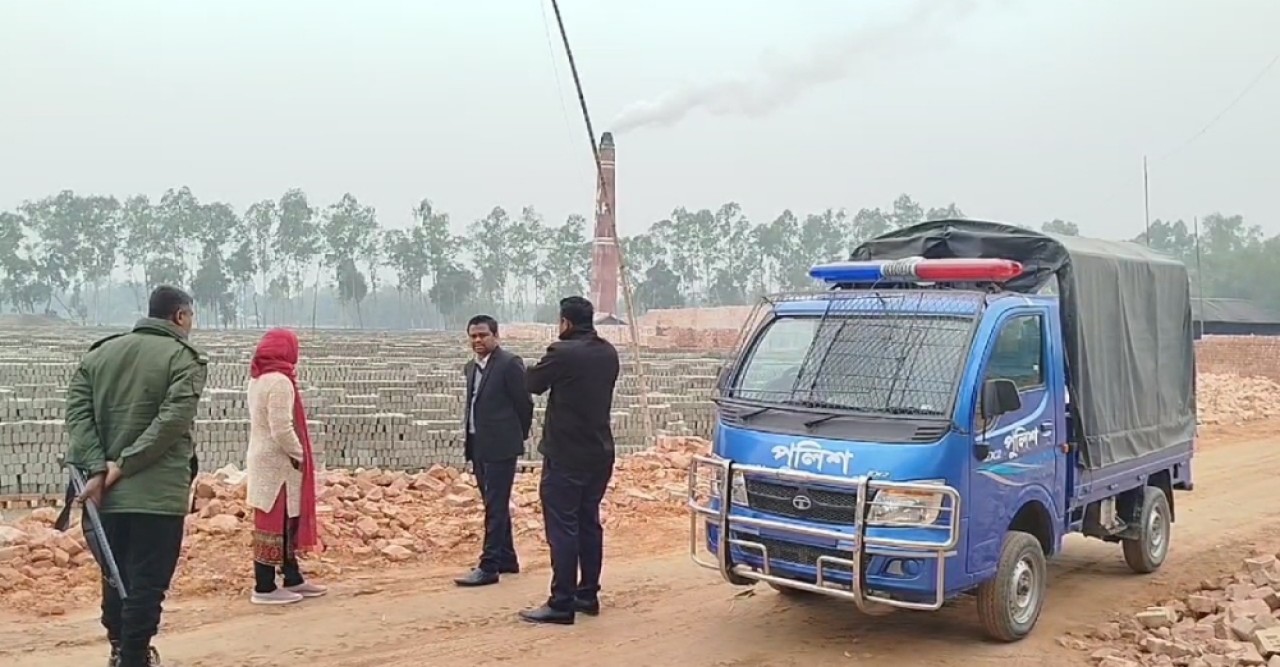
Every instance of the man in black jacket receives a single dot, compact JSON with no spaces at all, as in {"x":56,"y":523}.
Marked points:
{"x":577,"y":459}
{"x":497,"y":417}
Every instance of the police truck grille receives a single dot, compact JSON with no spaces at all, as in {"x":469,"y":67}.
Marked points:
{"x":797,"y":502}
{"x":796,"y":554}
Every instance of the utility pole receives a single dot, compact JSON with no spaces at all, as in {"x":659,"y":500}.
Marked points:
{"x":1199,"y":274}
{"x":1146,"y":202}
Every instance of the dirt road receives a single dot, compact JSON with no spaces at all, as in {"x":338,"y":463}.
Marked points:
{"x":662,"y":610}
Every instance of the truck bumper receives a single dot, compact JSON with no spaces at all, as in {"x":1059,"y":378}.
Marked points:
{"x":828,"y":559}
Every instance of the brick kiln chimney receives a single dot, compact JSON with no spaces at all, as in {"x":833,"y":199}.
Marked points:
{"x":604,"y":247}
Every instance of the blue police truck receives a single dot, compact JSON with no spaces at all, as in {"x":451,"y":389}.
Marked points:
{"x":962,"y":396}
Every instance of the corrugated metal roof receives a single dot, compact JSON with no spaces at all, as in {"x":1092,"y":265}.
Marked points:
{"x":1232,"y":310}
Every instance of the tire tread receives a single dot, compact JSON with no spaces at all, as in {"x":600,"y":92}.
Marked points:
{"x":1135,"y":551}
{"x":993,"y":610}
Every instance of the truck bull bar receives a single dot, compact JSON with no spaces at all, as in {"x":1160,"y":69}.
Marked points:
{"x":718,"y":510}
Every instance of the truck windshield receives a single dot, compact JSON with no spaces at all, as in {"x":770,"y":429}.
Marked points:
{"x":891,"y":364}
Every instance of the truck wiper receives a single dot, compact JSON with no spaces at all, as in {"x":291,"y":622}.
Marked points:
{"x":745,"y":413}
{"x":809,"y":425}
{"x":744,"y":416}
{"x":820,"y":405}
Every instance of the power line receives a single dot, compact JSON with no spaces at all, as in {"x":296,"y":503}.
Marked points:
{"x":577,"y":83}
{"x":1208,"y":126}
{"x":555,"y":70}
{"x":1203,"y":130}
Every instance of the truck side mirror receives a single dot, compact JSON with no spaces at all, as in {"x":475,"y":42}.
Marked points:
{"x":999,"y":397}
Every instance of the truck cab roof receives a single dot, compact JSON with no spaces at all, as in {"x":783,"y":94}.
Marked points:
{"x":1126,"y":325}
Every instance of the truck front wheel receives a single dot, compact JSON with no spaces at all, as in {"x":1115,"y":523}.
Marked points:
{"x":1146,"y":553}
{"x":1009,"y":603}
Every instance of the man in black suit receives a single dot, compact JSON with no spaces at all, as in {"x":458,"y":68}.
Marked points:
{"x":577,"y":459}
{"x":497,"y":418}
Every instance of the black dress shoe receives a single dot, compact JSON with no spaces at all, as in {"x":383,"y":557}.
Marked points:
{"x":588,"y":607}
{"x":509,"y":569}
{"x":545,"y":614}
{"x":477,"y":577}
{"x":152,"y":658}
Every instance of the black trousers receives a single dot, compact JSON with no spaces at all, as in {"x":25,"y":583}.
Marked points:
{"x":571,"y":510}
{"x":495,"y":479}
{"x":264,"y":576}
{"x":146,"y":548}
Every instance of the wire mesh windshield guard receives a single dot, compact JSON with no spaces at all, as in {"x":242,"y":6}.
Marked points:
{"x":883,"y":352}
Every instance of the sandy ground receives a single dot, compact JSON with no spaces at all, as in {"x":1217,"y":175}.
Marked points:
{"x":663,"y":610}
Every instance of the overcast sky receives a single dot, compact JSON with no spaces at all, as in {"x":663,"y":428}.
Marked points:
{"x":1019,"y":110}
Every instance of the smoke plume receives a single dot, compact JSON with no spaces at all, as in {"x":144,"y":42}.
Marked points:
{"x":779,"y":81}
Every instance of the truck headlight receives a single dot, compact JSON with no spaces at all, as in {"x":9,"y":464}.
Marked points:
{"x":737,"y":492}
{"x":901,"y":507}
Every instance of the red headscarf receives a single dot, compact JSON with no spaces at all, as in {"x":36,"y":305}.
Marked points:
{"x":278,"y":353}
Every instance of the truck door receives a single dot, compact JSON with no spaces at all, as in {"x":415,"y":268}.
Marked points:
{"x":1022,"y":450}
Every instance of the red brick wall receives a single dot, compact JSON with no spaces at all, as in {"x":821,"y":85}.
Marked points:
{"x":1239,"y":355}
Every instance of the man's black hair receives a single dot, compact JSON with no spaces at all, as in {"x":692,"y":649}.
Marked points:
{"x":485,"y":320}
{"x":577,"y":311}
{"x":166,"y":301}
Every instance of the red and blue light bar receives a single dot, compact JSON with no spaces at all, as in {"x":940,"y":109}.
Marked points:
{"x":918,"y":269}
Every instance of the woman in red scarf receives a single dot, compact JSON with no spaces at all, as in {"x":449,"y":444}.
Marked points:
{"x":281,"y":472}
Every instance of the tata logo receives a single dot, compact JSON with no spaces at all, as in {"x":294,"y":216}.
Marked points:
{"x":801,"y":502}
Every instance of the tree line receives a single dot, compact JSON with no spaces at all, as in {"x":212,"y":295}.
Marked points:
{"x":289,"y":261}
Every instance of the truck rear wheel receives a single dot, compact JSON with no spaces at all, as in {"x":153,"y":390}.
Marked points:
{"x":1009,"y":603}
{"x":1147,"y":552}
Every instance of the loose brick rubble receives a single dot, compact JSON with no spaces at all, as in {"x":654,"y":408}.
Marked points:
{"x":1232,"y":399}
{"x":368,"y":518}
{"x":1230,"y":621}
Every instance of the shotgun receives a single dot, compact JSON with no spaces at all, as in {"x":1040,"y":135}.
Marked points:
{"x":95,"y":535}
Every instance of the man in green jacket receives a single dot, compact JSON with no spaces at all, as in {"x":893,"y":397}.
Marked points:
{"x":130,"y":408}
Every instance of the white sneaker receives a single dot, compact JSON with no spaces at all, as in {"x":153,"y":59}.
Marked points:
{"x":308,"y":590}
{"x":278,"y":596}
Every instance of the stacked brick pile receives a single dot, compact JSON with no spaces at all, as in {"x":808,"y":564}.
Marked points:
{"x":715,"y":328}
{"x":393,"y":400}
{"x":368,"y":518}
{"x":1230,"y":621}
{"x":724,"y":317}
{"x":662,"y":338}
{"x":376,"y":400}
